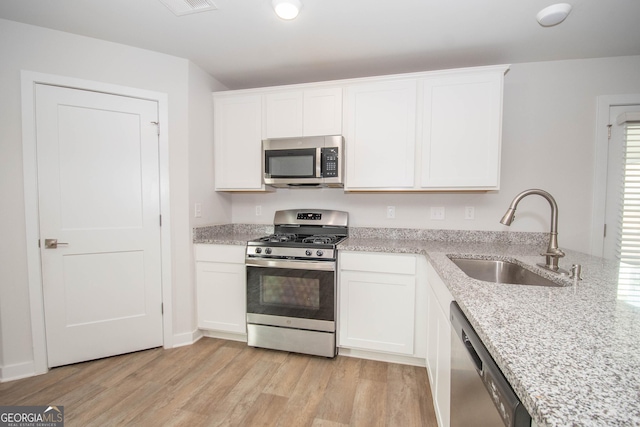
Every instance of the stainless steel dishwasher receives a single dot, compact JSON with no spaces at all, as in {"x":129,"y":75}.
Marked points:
{"x":480,"y":394}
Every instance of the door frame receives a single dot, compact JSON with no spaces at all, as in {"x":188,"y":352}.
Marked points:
{"x":29,"y":79}
{"x":601,"y":154}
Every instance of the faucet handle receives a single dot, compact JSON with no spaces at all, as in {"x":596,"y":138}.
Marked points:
{"x":554,"y":253}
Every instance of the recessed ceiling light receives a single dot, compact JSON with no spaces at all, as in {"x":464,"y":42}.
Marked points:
{"x":554,"y":14}
{"x":287,"y":9}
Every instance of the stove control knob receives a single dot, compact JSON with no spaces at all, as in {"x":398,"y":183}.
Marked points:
{"x":258,"y":250}
{"x":267,"y":251}
{"x":319,"y":253}
{"x":307,"y":252}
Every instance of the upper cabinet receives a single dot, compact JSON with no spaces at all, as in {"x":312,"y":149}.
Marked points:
{"x":437,"y":131}
{"x":431,"y":131}
{"x":309,"y":112}
{"x":237,"y":142}
{"x":461,"y":119}
{"x":381,"y":135}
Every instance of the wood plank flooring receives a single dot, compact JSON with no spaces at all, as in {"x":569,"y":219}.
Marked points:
{"x":225,"y":383}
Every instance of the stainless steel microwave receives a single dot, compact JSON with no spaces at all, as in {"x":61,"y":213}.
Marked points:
{"x":314,"y":161}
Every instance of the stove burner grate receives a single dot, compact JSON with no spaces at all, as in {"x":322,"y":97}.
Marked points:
{"x":320,"y":239}
{"x":280,"y":237}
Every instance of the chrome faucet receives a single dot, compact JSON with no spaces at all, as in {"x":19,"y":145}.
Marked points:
{"x":553,"y":253}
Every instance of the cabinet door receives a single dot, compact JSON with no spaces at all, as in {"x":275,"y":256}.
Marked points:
{"x":461,"y":131}
{"x":238,"y":142}
{"x":221,"y":296}
{"x":311,"y":112}
{"x":322,"y":112}
{"x":377,"y":311}
{"x":380,"y":143}
{"x":284,"y":114}
{"x":439,"y":346}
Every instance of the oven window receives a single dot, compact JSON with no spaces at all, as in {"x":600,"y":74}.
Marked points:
{"x":307,"y":294}
{"x":296,"y":292}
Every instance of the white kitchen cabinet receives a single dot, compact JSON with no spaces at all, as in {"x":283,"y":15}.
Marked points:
{"x":221,"y":288}
{"x":461,"y":130}
{"x":431,"y":131}
{"x":377,"y":306}
{"x":439,"y":345}
{"x":238,"y":142}
{"x":308,"y":112}
{"x":380,"y":124}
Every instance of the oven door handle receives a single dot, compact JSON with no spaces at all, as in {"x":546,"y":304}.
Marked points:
{"x":297,"y":265}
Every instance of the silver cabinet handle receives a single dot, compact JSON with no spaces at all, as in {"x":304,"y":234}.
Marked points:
{"x":52,"y":243}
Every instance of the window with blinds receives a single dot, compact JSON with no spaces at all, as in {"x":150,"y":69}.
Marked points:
{"x":629,"y":239}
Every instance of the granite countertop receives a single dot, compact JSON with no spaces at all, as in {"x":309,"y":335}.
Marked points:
{"x":571,"y":353}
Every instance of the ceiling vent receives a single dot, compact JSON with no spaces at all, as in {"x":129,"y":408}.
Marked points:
{"x":186,"y":7}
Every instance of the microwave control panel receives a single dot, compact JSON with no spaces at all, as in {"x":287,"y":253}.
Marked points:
{"x":329,"y":162}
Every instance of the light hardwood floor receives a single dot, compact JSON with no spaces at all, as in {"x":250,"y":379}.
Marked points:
{"x":225,"y":383}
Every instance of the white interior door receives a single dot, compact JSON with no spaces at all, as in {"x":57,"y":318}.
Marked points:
{"x":99,"y":196}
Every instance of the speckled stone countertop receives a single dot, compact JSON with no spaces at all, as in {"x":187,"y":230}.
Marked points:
{"x":571,"y":353}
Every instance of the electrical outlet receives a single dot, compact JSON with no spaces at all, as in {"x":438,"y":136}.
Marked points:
{"x":258,"y":210}
{"x":197,"y":210}
{"x":437,"y":213}
{"x":469,"y":212}
{"x":391,"y":212}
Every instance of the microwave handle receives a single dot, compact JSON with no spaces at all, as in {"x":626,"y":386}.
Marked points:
{"x":319,"y":162}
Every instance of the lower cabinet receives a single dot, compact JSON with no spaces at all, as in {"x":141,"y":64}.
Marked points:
{"x":221,"y":288}
{"x":439,"y":345}
{"x":377,"y":302}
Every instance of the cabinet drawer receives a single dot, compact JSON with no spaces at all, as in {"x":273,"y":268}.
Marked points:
{"x":378,"y":263}
{"x":220,"y":253}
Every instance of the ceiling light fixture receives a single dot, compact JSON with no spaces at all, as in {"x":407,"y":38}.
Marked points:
{"x":554,"y":14}
{"x":287,"y":9}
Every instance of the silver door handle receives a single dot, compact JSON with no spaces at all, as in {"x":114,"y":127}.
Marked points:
{"x":52,"y":243}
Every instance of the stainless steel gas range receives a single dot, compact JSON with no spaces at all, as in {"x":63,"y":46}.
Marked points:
{"x":291,"y":282}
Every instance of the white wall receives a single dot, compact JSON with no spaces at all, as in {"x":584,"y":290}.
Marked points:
{"x":548,"y":143}
{"x":216,"y":207}
{"x":24,"y":47}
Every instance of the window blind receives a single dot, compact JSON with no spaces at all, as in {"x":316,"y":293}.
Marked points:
{"x":629,"y":238}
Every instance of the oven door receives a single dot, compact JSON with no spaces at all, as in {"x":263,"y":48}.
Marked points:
{"x":294,"y":294}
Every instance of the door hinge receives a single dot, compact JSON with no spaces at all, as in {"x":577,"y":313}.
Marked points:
{"x":39,"y":243}
{"x":157,"y":127}
{"x":161,"y":308}
{"x":160,"y":220}
{"x":609,"y":132}
{"x":605,"y":230}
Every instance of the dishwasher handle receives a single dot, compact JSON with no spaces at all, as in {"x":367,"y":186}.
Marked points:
{"x":472,"y":351}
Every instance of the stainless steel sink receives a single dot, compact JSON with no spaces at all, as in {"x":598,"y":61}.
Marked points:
{"x":498,"y":271}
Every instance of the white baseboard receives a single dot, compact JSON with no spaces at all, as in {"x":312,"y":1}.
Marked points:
{"x":225,"y":335}
{"x":17,"y":371}
{"x":187,"y":338}
{"x":382,"y":357}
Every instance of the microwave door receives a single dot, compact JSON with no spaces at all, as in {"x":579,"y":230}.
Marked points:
{"x":297,"y":166}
